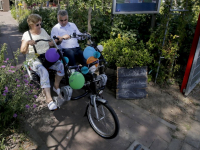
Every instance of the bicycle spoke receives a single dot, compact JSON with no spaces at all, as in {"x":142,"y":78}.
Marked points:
{"x":107,"y":125}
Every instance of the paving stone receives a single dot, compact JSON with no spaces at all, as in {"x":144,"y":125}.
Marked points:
{"x":192,"y":137}
{"x":135,"y":144}
{"x":159,"y":144}
{"x":188,"y":147}
{"x":175,"y":144}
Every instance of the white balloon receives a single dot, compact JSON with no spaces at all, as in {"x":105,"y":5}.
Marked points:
{"x":100,"y":47}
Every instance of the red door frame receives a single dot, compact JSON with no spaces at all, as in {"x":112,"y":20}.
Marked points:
{"x":191,"y":56}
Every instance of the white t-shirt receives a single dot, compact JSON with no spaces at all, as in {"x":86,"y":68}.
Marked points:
{"x":41,"y":46}
{"x":69,"y":29}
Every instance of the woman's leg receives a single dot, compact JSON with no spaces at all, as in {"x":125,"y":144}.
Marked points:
{"x":45,"y":83}
{"x":48,"y":94}
{"x":57,"y":81}
{"x":58,"y":66}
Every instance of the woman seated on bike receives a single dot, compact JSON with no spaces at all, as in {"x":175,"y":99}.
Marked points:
{"x":34,"y":21}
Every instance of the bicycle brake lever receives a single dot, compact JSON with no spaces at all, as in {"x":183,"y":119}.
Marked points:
{"x":54,"y":37}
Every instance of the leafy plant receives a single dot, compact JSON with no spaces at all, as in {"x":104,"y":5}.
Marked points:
{"x":16,"y":92}
{"x":125,"y":52}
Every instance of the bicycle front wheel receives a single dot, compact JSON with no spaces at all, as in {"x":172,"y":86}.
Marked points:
{"x":107,"y":126}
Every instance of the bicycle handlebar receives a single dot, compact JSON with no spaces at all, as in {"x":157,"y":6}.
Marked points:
{"x":42,"y":40}
{"x":85,"y":35}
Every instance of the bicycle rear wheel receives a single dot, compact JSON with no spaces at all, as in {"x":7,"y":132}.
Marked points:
{"x":108,"y":125}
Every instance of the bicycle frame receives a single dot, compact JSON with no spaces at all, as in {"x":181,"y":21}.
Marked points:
{"x":90,"y":87}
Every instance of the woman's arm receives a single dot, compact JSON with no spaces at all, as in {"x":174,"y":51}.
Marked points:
{"x":25,"y":44}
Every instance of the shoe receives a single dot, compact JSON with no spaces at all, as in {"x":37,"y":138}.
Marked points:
{"x":52,"y":106}
{"x":57,"y":91}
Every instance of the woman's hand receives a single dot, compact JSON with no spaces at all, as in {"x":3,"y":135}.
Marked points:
{"x":25,"y":44}
{"x":31,"y":42}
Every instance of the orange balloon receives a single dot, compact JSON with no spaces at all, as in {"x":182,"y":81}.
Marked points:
{"x":91,"y":60}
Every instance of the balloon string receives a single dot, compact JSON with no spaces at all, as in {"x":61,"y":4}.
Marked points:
{"x":77,"y":68}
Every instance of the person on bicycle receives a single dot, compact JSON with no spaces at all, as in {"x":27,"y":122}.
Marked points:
{"x":37,"y":32}
{"x":70,"y":47}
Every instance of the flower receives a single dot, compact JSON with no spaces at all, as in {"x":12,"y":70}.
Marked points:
{"x":3,"y":66}
{"x":17,"y":80}
{"x":6,"y":88}
{"x":7,"y":59}
{"x":9,"y":70}
{"x":4,"y":94}
{"x":12,"y":66}
{"x":27,"y":106}
{"x":26,"y":81}
{"x":15,"y":115}
{"x":5,"y":91}
{"x":35,"y":96}
{"x":18,"y":85}
{"x":34,"y":106}
{"x":26,"y":76}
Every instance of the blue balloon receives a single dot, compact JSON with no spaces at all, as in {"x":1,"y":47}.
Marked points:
{"x":84,"y":70}
{"x":88,"y":52}
{"x":66,"y":60}
{"x":97,"y":54}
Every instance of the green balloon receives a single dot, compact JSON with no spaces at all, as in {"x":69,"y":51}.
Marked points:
{"x":76,"y":80}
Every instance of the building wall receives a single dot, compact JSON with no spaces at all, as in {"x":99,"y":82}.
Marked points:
{"x":6,"y":5}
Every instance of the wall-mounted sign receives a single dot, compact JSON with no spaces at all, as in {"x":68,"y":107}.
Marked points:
{"x":135,"y":6}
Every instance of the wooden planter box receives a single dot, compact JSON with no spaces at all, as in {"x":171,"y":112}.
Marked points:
{"x":131,"y":83}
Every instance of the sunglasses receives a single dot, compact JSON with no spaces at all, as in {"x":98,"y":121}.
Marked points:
{"x":63,"y":20}
{"x":39,"y":24}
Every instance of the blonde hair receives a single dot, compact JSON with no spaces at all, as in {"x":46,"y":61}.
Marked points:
{"x":33,"y":18}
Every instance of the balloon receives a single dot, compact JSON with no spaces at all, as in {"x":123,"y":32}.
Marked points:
{"x":52,"y":55}
{"x":91,"y":60}
{"x":100,"y":47}
{"x":88,"y":52}
{"x":76,"y":80}
{"x":97,"y":54}
{"x":84,"y":70}
{"x":66,"y":60}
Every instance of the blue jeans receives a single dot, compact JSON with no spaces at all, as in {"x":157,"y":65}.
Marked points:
{"x":74,"y":55}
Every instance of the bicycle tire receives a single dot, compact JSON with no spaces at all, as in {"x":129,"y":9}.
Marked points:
{"x":93,"y":121}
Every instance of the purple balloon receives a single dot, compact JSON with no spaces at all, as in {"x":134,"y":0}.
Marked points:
{"x":52,"y":55}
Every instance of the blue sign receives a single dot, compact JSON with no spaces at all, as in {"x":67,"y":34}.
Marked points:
{"x":135,"y":6}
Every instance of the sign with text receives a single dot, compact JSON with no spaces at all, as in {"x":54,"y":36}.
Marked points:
{"x":135,"y":6}
{"x":131,"y":83}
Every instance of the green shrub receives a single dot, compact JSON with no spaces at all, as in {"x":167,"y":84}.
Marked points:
{"x":125,"y":52}
{"x":13,"y":12}
{"x":23,"y":25}
{"x":16,"y":92}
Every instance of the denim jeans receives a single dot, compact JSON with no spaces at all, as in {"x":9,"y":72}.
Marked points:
{"x":74,"y":55}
